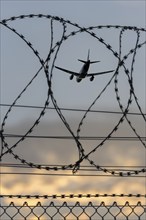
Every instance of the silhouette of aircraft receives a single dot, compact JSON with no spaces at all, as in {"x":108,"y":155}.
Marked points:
{"x":84,"y":70}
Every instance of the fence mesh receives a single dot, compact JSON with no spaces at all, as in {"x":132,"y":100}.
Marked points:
{"x":67,"y":210}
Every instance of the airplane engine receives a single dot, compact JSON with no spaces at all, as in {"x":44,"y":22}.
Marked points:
{"x":71,"y":77}
{"x":92,"y":78}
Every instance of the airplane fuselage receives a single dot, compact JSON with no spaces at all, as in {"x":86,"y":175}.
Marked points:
{"x":83,"y":72}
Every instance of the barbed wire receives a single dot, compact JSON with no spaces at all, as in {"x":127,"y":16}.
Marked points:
{"x":48,"y":70}
{"x":71,"y":196}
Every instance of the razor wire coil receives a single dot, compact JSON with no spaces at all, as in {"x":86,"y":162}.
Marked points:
{"x":44,"y":65}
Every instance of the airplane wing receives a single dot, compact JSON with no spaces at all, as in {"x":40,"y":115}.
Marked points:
{"x":68,"y":71}
{"x":99,"y":73}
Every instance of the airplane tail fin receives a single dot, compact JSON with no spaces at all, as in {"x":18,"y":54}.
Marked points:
{"x":83,"y":61}
{"x":94,"y":62}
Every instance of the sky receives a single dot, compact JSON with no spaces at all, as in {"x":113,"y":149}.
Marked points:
{"x":18,"y":66}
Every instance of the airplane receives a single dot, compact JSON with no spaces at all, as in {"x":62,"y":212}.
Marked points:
{"x":84,"y":70}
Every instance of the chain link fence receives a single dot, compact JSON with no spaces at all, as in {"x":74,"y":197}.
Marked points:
{"x":70,"y":211}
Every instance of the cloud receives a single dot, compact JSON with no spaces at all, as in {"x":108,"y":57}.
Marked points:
{"x":59,"y":151}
